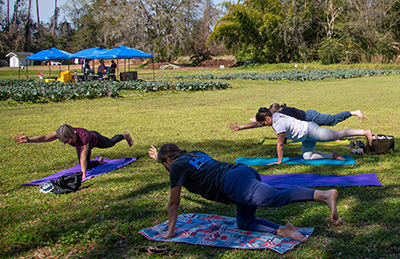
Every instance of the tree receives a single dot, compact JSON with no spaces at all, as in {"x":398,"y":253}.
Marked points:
{"x":54,"y":19}
{"x":28,"y":27}
{"x":249,"y":30}
{"x":369,"y":26}
{"x":37,"y":12}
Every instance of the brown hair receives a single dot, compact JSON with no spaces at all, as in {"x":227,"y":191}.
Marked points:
{"x":262,"y":113}
{"x":171,"y":151}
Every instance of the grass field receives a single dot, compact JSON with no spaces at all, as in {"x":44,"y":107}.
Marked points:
{"x":102,"y":220}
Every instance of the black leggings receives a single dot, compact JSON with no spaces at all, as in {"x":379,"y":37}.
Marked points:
{"x":103,"y":142}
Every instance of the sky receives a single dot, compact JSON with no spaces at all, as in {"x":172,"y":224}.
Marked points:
{"x":46,"y":8}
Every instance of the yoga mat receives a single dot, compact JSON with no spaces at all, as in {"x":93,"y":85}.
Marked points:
{"x":221,"y":231}
{"x":290,"y":142}
{"x":329,"y":143}
{"x":295,"y":161}
{"x":90,"y":173}
{"x":312,"y":180}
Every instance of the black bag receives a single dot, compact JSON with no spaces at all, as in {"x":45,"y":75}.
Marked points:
{"x":380,"y":144}
{"x":67,"y":184}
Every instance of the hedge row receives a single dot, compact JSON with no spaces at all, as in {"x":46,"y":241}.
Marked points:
{"x":297,"y":75}
{"x":32,"y":91}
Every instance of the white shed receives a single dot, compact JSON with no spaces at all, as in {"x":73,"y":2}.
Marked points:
{"x":19,"y":58}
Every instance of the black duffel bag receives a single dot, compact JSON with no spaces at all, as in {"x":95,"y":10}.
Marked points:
{"x":67,"y":184}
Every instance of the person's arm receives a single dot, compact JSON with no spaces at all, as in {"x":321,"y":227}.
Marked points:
{"x":83,"y":159}
{"x":36,"y":139}
{"x":236,"y":127}
{"x":280,"y":141}
{"x":173,"y":210}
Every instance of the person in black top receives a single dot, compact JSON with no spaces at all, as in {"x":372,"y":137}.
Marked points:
{"x":112,"y":70}
{"x":228,"y":183}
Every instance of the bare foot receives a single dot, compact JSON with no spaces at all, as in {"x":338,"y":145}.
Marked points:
{"x":330,"y":198}
{"x":336,"y":156}
{"x":358,"y":114}
{"x":368,"y":135}
{"x":290,"y":232}
{"x":128,"y":139}
{"x":101,"y":162}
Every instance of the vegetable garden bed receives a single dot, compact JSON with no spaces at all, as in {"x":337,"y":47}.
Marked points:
{"x":297,"y":75}
{"x":32,"y":91}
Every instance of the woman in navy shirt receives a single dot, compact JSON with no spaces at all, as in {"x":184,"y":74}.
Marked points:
{"x":228,"y":183}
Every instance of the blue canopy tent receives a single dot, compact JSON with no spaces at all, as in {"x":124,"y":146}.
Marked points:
{"x":50,"y":54}
{"x":123,"y":52}
{"x":89,"y":53}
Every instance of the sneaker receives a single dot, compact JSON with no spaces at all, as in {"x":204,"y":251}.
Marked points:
{"x":351,"y":145}
{"x":46,"y":187}
{"x":359,"y":144}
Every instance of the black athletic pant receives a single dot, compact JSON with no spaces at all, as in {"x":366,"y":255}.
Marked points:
{"x":103,"y":142}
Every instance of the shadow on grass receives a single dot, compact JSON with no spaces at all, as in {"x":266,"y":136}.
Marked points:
{"x":121,"y":205}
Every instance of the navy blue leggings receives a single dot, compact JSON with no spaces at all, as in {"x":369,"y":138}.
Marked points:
{"x":102,"y":142}
{"x":243,"y":185}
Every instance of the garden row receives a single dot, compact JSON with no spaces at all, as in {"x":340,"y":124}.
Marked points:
{"x":297,"y":75}
{"x":32,"y":91}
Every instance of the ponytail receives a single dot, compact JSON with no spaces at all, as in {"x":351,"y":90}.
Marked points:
{"x":275,"y":107}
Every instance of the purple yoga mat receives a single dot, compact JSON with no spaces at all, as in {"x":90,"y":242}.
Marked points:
{"x":312,"y":180}
{"x":90,"y":173}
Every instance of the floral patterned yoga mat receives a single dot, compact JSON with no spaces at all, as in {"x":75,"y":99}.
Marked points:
{"x":221,"y":231}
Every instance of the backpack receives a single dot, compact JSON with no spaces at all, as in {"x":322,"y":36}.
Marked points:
{"x":380,"y":144}
{"x":67,"y":183}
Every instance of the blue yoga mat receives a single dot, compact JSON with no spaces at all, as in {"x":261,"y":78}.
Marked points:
{"x":90,"y":173}
{"x":295,"y":161}
{"x":312,"y":180}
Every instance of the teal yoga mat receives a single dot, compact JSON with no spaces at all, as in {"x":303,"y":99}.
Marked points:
{"x":295,"y":161}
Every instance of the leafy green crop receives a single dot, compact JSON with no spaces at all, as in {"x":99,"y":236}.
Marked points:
{"x":297,"y":75}
{"x":32,"y":91}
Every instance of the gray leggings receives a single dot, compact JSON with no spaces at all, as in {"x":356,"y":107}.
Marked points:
{"x":319,"y":134}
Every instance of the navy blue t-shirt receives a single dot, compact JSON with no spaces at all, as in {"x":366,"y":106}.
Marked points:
{"x":201,"y":174}
{"x":295,"y":113}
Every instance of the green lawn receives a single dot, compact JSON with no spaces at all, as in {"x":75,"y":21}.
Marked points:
{"x":102,"y":220}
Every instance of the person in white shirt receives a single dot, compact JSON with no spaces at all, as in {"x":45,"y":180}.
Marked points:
{"x":309,"y":133}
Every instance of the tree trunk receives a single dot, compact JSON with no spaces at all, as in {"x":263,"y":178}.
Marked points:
{"x":55,"y":18}
{"x":28,"y":27}
{"x":37,"y":12}
{"x":8,"y":14}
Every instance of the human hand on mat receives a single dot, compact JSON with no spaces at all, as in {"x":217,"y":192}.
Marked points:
{"x":153,"y":153}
